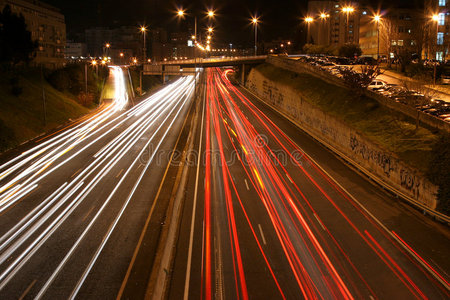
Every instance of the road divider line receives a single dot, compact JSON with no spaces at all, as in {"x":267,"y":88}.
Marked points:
{"x":318,"y":221}
{"x":246,"y":184}
{"x":27,"y":290}
{"x":194,"y":207}
{"x":262,"y":234}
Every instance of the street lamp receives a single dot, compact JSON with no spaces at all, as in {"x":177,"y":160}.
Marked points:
{"x":144,"y":32}
{"x":347,"y":10}
{"x":308,"y":21}
{"x":210,"y":13}
{"x":435,"y":18}
{"x":255,"y":24}
{"x":377,"y":19}
{"x":323,"y":17}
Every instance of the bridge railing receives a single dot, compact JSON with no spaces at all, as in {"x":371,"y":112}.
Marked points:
{"x":211,"y":60}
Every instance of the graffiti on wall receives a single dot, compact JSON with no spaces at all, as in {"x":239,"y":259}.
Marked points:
{"x":381,"y":159}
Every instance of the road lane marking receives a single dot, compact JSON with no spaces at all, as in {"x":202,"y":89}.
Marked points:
{"x":76,"y":172}
{"x":88,"y":213}
{"x":289,"y":177}
{"x":246,"y":184}
{"x":262,"y":234}
{"x":194,"y":206}
{"x":119,"y":173}
{"x":27,"y":290}
{"x":321,"y":225}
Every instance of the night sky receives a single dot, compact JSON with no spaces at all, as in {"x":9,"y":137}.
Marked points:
{"x":280,"y":18}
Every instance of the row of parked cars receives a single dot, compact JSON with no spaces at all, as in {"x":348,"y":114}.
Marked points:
{"x":435,"y":107}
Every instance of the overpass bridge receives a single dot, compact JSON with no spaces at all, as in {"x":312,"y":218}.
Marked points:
{"x":187,"y":66}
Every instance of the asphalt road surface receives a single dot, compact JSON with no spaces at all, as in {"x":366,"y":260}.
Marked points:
{"x":73,"y":204}
{"x":271,"y":214}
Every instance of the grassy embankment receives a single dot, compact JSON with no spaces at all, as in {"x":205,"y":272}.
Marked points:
{"x":389,"y":129}
{"x":22,"y":114}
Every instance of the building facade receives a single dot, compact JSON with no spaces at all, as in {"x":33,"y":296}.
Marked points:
{"x":333,"y":23}
{"x":47,"y":27}
{"x":438,"y":15}
{"x":75,"y":50}
{"x":397,"y":31}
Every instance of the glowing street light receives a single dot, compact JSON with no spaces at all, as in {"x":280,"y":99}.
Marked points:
{"x":347,"y":10}
{"x":377,"y":19}
{"x":144,"y":32}
{"x":180,"y":13}
{"x":210,"y":13}
{"x":308,"y":21}
{"x":208,"y":37}
{"x":435,"y":18}
{"x":210,"y":29}
{"x":255,"y":24}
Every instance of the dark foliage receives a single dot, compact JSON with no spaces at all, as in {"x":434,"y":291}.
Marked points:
{"x":350,"y":50}
{"x":6,"y":136}
{"x":358,"y":82}
{"x":16,"y":45}
{"x":439,"y":172}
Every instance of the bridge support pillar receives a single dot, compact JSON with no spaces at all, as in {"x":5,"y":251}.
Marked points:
{"x":243,"y":74}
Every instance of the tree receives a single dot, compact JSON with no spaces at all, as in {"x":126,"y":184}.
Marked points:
{"x":388,"y":33}
{"x":438,"y":171}
{"x":15,"y":40}
{"x":358,"y":82}
{"x":350,"y":50}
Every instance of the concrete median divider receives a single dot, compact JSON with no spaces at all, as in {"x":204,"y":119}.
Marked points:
{"x":382,"y":166}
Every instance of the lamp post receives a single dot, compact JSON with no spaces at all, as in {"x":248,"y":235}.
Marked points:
{"x":308,"y":21}
{"x":377,"y":19}
{"x":435,"y":18}
{"x":255,"y":24}
{"x":323,"y":18}
{"x":210,"y":14}
{"x":347,"y":10}
{"x":144,"y":32}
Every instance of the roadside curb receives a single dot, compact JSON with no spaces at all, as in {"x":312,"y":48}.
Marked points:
{"x":161,"y":271}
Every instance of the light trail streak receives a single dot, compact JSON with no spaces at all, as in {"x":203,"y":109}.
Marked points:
{"x":302,"y":234}
{"x":160,"y":110}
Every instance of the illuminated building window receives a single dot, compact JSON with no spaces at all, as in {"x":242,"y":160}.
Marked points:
{"x":440,"y":38}
{"x":441,"y":20}
{"x":442,"y":2}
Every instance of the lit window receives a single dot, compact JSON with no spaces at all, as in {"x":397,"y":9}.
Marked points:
{"x":400,"y":42}
{"x":440,"y":38}
{"x":442,"y":2}
{"x":364,"y":12}
{"x":441,"y":20}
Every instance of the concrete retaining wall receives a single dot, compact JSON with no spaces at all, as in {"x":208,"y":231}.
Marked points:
{"x":346,"y":142}
{"x":301,"y":67}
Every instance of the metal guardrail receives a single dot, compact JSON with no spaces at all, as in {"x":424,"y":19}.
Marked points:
{"x":212,"y":60}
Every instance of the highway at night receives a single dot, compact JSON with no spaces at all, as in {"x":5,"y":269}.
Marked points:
{"x":72,"y":203}
{"x":267,"y":212}
{"x":270,"y":214}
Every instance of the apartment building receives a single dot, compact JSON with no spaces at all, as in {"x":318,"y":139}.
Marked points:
{"x":47,"y":27}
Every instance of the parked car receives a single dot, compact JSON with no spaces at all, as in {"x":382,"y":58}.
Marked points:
{"x":445,"y":79}
{"x":376,"y":84}
{"x":366,"y":60}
